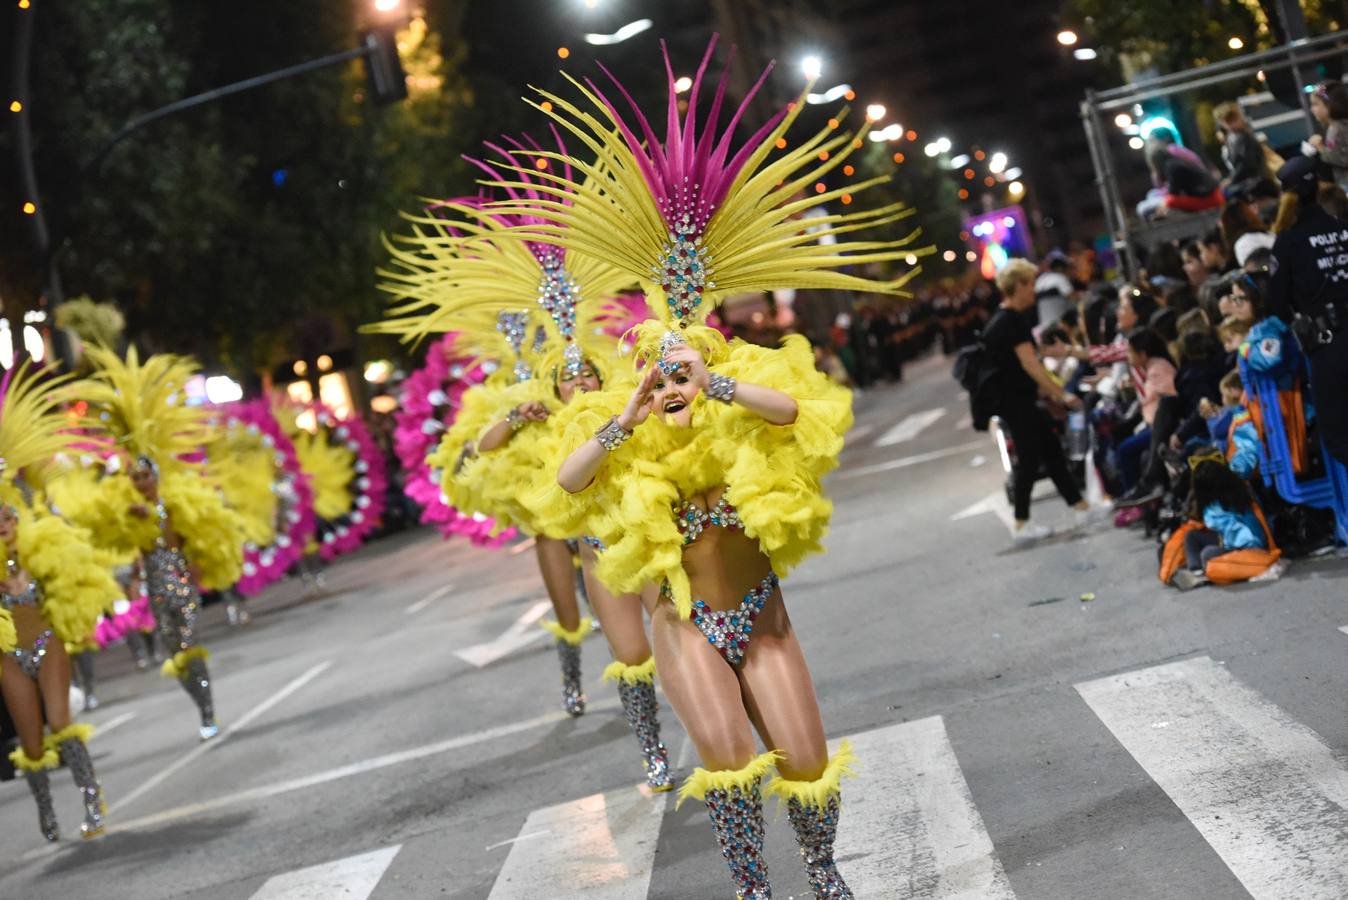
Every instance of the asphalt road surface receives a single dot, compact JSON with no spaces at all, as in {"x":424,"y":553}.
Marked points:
{"x":402,"y":737}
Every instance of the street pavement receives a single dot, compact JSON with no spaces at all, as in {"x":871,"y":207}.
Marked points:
{"x":402,"y":737}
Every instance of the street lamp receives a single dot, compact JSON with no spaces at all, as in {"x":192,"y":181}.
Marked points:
{"x":1235,"y":43}
{"x":997,"y":164}
{"x":837,"y":92}
{"x":384,"y":6}
{"x":812,"y":67}
{"x":875,"y":112}
{"x":1123,"y":120}
{"x":631,"y":29}
{"x":1067,"y":37}
{"x":1016,"y":188}
{"x":1084,"y":53}
{"x":682,"y":83}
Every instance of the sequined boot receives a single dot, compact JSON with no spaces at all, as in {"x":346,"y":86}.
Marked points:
{"x":75,"y":754}
{"x":636,"y":689}
{"x":573,"y":698}
{"x":813,"y":808}
{"x":735,"y":804}
{"x":196,"y":681}
{"x":35,"y":773}
{"x":568,"y":650}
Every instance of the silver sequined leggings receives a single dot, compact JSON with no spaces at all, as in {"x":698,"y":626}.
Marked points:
{"x":173,"y":598}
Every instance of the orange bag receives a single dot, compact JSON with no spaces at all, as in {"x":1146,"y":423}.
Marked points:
{"x":1172,"y":554}
{"x":1294,"y":420}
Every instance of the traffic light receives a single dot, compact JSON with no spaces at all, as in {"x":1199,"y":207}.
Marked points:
{"x":388,"y":81}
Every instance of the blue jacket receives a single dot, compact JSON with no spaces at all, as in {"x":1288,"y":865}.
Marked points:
{"x":1242,"y":445}
{"x":1219,"y":426}
{"x":1238,"y":531}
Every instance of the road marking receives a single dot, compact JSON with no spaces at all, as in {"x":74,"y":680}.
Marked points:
{"x":351,"y":769}
{"x":519,"y":635}
{"x":523,"y":545}
{"x":909,"y":428}
{"x":994,"y":503}
{"x":427,"y":600}
{"x":353,"y":878}
{"x":516,"y":839}
{"x":1343,"y":628}
{"x":117,"y":722}
{"x":200,"y":750}
{"x":908,"y":818}
{"x":858,"y":433}
{"x":1264,"y":790}
{"x":907,"y":461}
{"x":601,"y":847}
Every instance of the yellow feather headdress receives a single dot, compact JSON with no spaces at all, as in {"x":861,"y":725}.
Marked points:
{"x":142,"y":407}
{"x":33,"y":427}
{"x":695,"y":223}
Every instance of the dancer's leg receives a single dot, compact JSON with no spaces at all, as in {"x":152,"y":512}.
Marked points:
{"x":25,"y":708}
{"x":705,"y":693}
{"x":621,"y":616}
{"x":559,"y":578}
{"x":779,"y":694}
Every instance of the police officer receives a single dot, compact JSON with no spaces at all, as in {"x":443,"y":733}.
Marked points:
{"x":1309,"y":289}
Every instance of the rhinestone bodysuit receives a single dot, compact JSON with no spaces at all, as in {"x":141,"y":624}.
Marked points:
{"x":692,"y":520}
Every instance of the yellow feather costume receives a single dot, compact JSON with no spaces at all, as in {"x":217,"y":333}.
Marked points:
{"x":77,"y":583}
{"x":140,"y":410}
{"x":694,"y":226}
{"x":331,"y":468}
{"x":242,"y":467}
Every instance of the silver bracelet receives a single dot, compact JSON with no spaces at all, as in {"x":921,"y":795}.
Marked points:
{"x":516,"y":419}
{"x":721,"y":387}
{"x":612,"y":435}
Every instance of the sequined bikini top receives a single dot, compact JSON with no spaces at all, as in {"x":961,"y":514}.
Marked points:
{"x":31,"y":596}
{"x":692,"y":520}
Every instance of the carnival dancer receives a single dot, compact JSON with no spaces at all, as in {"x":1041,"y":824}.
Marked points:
{"x":706,"y":477}
{"x":164,"y":507}
{"x":570,"y":354}
{"x":52,"y":591}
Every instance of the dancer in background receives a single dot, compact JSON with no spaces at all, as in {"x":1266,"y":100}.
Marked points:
{"x":164,"y":508}
{"x":52,"y":590}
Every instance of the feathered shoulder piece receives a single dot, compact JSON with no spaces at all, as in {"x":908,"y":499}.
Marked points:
{"x":142,"y":407}
{"x":696,"y":218}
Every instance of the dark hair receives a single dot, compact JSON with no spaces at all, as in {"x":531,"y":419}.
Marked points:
{"x":1237,"y":219}
{"x":1213,"y":483}
{"x":1180,"y":298}
{"x":1259,"y":260}
{"x":1213,"y":238}
{"x":1193,"y":320}
{"x":1195,"y":346}
{"x":1192,"y":249}
{"x":1149,"y":344}
{"x":1144,"y":304}
{"x":1255,"y":286}
{"x":1070,"y":317}
{"x":1163,"y":323}
{"x":1335,"y":95}
{"x":1054,"y":334}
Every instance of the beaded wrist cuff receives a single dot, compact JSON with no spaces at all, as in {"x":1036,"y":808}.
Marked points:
{"x":516,"y":419}
{"x":721,"y":387}
{"x":612,"y":435}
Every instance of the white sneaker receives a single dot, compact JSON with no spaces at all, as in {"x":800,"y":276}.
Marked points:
{"x":1029,"y":533}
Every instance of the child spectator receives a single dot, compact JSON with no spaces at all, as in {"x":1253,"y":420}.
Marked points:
{"x":1231,"y":426}
{"x":1329,"y":105}
{"x":1244,"y":155}
{"x":1223,"y":503}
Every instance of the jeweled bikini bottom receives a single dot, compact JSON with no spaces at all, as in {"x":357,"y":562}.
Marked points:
{"x":31,"y":660}
{"x":728,"y":630}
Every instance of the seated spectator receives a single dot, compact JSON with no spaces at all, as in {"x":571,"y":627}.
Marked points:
{"x":1329,"y":105}
{"x":1231,"y":426}
{"x":1201,"y":368}
{"x":1249,"y":176}
{"x":1231,"y":521}
{"x":1181,"y":181}
{"x":1243,"y":232}
{"x":1196,"y":269}
{"x":1148,"y":354}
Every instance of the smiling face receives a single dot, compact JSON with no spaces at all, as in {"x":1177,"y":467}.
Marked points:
{"x":144,"y":480}
{"x":673,"y":397}
{"x":585,"y":380}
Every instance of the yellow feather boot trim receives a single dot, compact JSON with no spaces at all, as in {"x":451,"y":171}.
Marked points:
{"x":176,"y":665}
{"x":643,"y":673}
{"x":818,"y":792}
{"x":48,"y":760}
{"x":701,"y":781}
{"x":573,"y":638}
{"x":81,"y":731}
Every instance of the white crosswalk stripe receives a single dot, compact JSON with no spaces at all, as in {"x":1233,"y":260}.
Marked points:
{"x":1265,"y":791}
{"x":908,"y":819}
{"x":909,"y":428}
{"x":601,"y":847}
{"x":352,"y":878}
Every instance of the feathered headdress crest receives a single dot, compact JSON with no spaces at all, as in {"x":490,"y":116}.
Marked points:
{"x":33,"y":427}
{"x":142,"y":407}
{"x":695,"y":218}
